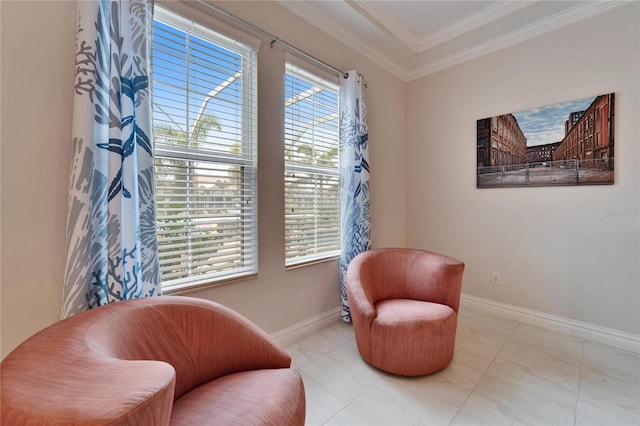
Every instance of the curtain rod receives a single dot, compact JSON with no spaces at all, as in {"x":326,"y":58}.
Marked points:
{"x":273,"y":38}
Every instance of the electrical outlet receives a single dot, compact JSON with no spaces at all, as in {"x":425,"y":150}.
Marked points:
{"x":496,"y":278}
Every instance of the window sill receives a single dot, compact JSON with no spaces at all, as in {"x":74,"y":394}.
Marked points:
{"x":182,"y":289}
{"x":312,"y":262}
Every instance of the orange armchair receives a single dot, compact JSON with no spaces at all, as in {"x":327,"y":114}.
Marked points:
{"x":404,"y":307}
{"x":152,"y":361}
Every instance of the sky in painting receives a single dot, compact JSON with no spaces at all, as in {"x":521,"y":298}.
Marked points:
{"x":546,"y":124}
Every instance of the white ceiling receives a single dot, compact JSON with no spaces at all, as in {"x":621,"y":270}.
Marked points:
{"x":412,"y":39}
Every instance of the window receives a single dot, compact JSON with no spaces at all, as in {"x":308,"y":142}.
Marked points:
{"x":312,"y":192}
{"x":204,"y":119}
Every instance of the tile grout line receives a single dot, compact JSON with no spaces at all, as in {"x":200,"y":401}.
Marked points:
{"x":332,"y":394}
{"x":345,"y":404}
{"x":320,"y":354}
{"x":366,"y":388}
{"x":334,"y":416}
{"x":485,"y":371}
{"x":317,"y":356}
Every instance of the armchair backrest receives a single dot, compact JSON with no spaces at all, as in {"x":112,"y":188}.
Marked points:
{"x":202,"y":340}
{"x":398,"y":273}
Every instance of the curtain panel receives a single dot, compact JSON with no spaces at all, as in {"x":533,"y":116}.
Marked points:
{"x":111,"y":239}
{"x":355,"y":215}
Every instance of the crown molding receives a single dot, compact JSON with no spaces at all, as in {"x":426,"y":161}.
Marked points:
{"x":339,"y":33}
{"x":557,"y":21}
{"x":313,"y":16}
{"x":379,"y":16}
{"x":486,"y":16}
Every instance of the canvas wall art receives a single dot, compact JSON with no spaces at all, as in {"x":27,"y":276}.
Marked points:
{"x":570,"y":143}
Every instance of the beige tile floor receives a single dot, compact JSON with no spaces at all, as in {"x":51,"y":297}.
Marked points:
{"x":503,"y":373}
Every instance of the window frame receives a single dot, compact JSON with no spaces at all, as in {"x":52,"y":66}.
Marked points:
{"x":179,"y":16}
{"x":297,"y":68}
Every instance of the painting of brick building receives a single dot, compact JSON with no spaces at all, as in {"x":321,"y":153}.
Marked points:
{"x":571,"y":143}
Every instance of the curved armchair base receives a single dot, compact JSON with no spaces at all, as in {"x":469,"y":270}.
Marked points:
{"x":410,"y":337}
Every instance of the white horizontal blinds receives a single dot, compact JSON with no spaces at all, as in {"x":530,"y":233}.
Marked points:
{"x":312,"y":205}
{"x":204,"y":99}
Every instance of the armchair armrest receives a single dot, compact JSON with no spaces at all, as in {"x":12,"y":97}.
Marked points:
{"x":435,"y":278}
{"x":361,"y":301}
{"x":357,"y":292}
{"x":54,"y":377}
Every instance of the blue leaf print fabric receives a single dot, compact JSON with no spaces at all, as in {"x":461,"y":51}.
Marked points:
{"x":355,"y":215}
{"x":111,"y":239}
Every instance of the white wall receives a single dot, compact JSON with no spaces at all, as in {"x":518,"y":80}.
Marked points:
{"x":37,"y":91}
{"x":37,"y":88}
{"x":567,"y":251}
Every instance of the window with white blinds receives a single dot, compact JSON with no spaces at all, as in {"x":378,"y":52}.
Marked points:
{"x":311,"y":181}
{"x":204,"y":119}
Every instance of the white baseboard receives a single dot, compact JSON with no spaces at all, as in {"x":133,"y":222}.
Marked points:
{"x":305,"y":327}
{"x":583,"y":330}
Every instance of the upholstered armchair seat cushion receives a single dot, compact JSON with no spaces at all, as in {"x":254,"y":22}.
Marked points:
{"x":232,"y":400}
{"x":413,"y":313}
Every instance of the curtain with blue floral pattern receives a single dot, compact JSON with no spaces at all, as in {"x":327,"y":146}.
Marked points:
{"x":355,"y":215}
{"x":111,"y":239}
